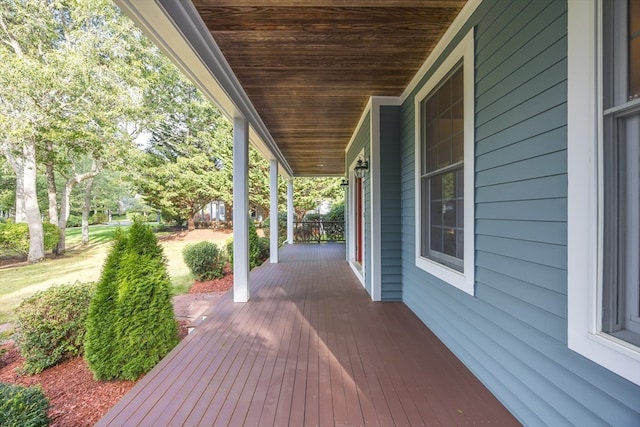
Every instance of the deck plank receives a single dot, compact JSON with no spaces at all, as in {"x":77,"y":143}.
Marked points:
{"x":309,"y":348}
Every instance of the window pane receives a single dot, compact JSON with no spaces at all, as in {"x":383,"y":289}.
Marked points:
{"x":634,"y":49}
{"x":449,"y":242}
{"x":634,"y":68}
{"x":436,"y":239}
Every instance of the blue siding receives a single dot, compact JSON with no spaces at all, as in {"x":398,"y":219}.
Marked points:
{"x":391,"y":268}
{"x":513,"y":333}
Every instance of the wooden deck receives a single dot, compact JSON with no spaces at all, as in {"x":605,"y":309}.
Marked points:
{"x":309,"y":349}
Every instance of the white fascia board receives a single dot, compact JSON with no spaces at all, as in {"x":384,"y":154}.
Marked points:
{"x":445,"y":41}
{"x":177,"y":29}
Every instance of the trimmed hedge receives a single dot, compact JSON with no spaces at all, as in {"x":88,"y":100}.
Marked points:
{"x":23,"y":406}
{"x":131,"y":324}
{"x":205,"y":260}
{"x":50,"y":325}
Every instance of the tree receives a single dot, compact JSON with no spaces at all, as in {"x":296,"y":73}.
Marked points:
{"x":178,"y":171}
{"x":68,"y":73}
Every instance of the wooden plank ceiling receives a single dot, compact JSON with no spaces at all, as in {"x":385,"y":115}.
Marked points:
{"x":309,"y":67}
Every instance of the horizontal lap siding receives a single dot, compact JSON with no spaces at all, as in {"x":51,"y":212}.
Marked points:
{"x":391,"y":269}
{"x":513,"y":333}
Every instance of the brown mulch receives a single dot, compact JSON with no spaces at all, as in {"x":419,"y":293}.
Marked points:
{"x":77,"y":399}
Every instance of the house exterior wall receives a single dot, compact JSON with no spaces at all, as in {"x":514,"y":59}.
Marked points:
{"x":512,"y":333}
{"x":361,"y":143}
{"x":390,"y":221}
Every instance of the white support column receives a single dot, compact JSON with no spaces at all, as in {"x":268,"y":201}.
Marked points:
{"x":290,"y":211}
{"x":240,"y":210}
{"x":273,"y":189}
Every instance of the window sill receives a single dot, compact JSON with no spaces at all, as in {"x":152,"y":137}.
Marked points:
{"x":446,"y":274}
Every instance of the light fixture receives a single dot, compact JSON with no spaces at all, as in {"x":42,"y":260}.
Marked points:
{"x":344,"y":183}
{"x":360,"y":168}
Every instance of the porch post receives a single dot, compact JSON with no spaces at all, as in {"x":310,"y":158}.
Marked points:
{"x":240,"y":209}
{"x":290,"y":211}
{"x":273,"y":229}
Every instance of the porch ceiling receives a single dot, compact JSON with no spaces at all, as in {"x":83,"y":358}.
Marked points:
{"x":310,"y":70}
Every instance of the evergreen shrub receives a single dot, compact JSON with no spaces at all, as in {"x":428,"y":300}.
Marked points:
{"x":205,"y":260}
{"x":254,"y":247}
{"x":23,"y":406}
{"x":134,"y":297}
{"x":50,"y":325}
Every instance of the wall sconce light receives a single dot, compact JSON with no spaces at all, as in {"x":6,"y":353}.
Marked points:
{"x":360,"y":168}
{"x":344,"y":183}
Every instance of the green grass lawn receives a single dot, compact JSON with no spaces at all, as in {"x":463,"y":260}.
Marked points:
{"x":82,"y":264}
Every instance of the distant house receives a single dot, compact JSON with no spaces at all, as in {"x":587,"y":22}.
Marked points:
{"x":501,"y":197}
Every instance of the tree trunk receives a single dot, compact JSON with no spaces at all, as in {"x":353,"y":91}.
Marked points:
{"x":65,"y":204}
{"x":191,"y":223}
{"x":27,"y":209}
{"x":31,"y":208}
{"x":18,"y":169}
{"x":86,"y":209}
{"x":52,"y":193}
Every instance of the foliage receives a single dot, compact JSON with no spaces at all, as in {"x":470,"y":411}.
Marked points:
{"x":282,"y":227}
{"x":264,"y":243}
{"x":205,"y":260}
{"x":336,"y":213}
{"x":74,"y":221}
{"x":254,"y":247}
{"x":131,"y":324}
{"x":100,"y":341}
{"x":23,"y":406}
{"x":51,"y":325}
{"x":98,"y":218}
{"x":255,"y":250}
{"x":15,"y":237}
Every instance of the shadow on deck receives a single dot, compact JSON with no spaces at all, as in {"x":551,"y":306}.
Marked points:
{"x":309,"y":348}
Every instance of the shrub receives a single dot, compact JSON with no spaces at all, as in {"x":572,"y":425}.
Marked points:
{"x":134,"y":296}
{"x":264,"y":243}
{"x":15,"y":236}
{"x":23,"y":406}
{"x":282,"y":227}
{"x":336,"y":213}
{"x":50,"y":325}
{"x":98,"y":218}
{"x":205,"y":260}
{"x":100,"y":340}
{"x":255,"y":251}
{"x":74,"y":221}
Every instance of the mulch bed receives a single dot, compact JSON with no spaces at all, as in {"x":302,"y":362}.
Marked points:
{"x":76,"y":398}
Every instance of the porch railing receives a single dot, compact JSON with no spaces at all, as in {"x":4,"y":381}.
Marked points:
{"x":318,"y":231}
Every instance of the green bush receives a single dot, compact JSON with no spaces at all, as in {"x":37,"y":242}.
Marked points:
{"x":98,"y":218}
{"x":282,"y":227}
{"x":255,"y":249}
{"x":15,"y":236}
{"x":23,"y":406}
{"x":264,"y":243}
{"x":74,"y":221}
{"x":50,"y":325}
{"x":100,"y":339}
{"x":336,"y":213}
{"x":205,"y":260}
{"x":131,"y":324}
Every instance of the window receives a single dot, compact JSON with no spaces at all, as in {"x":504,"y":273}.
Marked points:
{"x":621,"y":170}
{"x":604,"y":177}
{"x":444,"y":169}
{"x":442,"y":173}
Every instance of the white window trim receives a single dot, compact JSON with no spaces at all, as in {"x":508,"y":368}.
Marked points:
{"x":584,"y":129}
{"x":462,"y":280}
